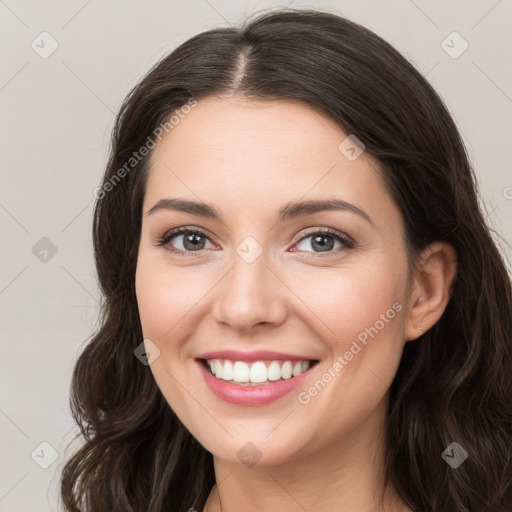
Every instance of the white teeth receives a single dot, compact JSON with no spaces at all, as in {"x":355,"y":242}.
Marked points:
{"x":240,"y":371}
{"x":257,"y":372}
{"x":227,"y":371}
{"x":297,"y":369}
{"x":274,"y":371}
{"x":218,"y":369}
{"x":286,"y":370}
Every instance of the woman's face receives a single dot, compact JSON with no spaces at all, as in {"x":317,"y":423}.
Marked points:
{"x":260,"y":278}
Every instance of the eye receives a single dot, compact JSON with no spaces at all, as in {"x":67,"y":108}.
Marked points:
{"x":324,"y":240}
{"x":195,"y":240}
{"x":192,"y":240}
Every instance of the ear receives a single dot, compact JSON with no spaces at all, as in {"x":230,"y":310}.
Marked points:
{"x":431,"y":288}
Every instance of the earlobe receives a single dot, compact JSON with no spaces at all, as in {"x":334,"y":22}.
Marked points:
{"x":431,"y":288}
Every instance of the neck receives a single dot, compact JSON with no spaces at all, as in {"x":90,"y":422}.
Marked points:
{"x":346,"y":475}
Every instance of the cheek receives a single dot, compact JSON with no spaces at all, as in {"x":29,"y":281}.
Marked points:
{"x":167,"y":300}
{"x":166,"y":297}
{"x":358,"y":313}
{"x":346,"y":301}
{"x":153,"y":301}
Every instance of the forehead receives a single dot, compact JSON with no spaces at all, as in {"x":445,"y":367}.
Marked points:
{"x":236,"y":152}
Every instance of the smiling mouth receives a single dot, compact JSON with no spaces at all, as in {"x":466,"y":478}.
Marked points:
{"x":256,"y":373}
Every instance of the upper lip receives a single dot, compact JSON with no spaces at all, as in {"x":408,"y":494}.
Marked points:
{"x":256,"y":355}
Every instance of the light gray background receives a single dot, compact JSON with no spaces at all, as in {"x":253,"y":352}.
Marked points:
{"x":56,"y":117}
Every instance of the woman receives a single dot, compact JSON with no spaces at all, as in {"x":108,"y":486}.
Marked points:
{"x":304,"y":308}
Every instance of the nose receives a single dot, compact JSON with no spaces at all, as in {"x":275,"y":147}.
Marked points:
{"x":251,"y":295}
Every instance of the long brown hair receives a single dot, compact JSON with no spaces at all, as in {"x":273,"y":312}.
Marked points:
{"x":454,"y":383}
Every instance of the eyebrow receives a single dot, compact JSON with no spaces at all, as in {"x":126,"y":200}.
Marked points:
{"x":288,"y":211}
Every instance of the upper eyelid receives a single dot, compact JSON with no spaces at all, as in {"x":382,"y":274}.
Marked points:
{"x":183,"y":230}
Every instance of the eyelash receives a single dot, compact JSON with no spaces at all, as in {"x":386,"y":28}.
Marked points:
{"x":167,"y":237}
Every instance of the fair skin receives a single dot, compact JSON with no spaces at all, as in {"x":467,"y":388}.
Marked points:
{"x":248,"y":159}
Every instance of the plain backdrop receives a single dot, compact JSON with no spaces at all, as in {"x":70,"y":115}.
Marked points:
{"x":57,"y":111}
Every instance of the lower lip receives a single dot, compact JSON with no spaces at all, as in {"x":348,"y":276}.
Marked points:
{"x":262,"y":394}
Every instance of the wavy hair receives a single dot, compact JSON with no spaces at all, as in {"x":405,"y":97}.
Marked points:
{"x":453,"y":384}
